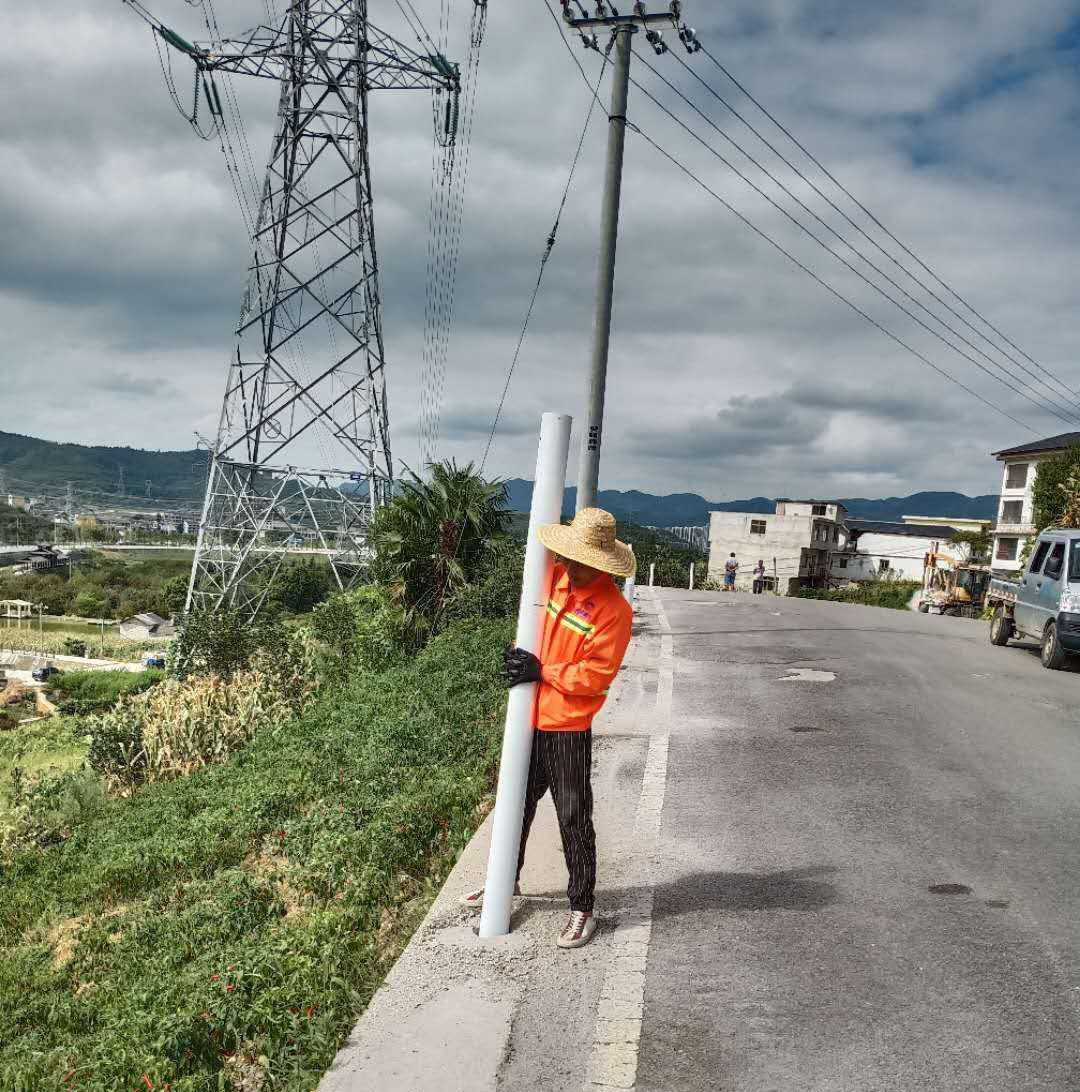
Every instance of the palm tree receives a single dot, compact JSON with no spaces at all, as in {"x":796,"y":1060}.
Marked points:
{"x":430,"y":539}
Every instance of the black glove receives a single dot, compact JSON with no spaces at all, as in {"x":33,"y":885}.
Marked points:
{"x":519,"y":667}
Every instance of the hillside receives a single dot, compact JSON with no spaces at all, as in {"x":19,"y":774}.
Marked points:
{"x":682,"y":509}
{"x":31,"y":465}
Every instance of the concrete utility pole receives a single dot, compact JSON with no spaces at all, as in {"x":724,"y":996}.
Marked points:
{"x":622,"y":28}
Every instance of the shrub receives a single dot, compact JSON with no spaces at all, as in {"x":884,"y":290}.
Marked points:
{"x":74,"y":646}
{"x":893,"y":594}
{"x":184,"y":723}
{"x":220,"y":642}
{"x":496,"y":589}
{"x":47,"y":806}
{"x":116,"y":746}
{"x":361,"y":629}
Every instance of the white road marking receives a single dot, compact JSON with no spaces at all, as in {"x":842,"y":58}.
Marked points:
{"x":808,"y":674}
{"x":617,"y":1034}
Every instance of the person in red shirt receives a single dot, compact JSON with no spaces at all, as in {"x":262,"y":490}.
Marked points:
{"x":586,"y":634}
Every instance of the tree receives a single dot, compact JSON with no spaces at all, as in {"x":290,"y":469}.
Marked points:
{"x":977,"y":541}
{"x":431,"y":539}
{"x":89,"y":605}
{"x":297,"y":588}
{"x":173,"y":596}
{"x":1056,"y":492}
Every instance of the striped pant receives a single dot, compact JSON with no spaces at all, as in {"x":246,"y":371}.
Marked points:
{"x":562,"y":762}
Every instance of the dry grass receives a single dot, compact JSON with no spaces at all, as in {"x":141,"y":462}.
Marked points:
{"x":272,"y":867}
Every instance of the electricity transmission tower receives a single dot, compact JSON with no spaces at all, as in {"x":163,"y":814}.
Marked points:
{"x":302,"y":452}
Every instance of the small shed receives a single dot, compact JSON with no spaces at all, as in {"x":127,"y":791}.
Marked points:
{"x":16,"y":608}
{"x":142,"y":627}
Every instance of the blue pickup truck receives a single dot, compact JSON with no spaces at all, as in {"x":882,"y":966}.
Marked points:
{"x":1044,"y":603}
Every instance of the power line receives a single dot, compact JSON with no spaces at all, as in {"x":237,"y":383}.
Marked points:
{"x":543,"y":261}
{"x":824,"y":284}
{"x":1072,"y":417}
{"x":874,"y":219}
{"x":1006,"y":382}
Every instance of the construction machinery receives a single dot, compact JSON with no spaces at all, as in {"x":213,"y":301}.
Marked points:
{"x":952,"y":586}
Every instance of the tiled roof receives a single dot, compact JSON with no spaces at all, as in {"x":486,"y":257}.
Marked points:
{"x":1051,"y":443}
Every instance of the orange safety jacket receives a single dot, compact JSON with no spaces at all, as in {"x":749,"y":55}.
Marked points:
{"x":586,"y":634}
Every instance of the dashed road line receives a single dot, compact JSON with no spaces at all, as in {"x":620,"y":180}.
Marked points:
{"x":617,"y":1033}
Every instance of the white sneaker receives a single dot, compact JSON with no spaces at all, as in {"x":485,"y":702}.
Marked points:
{"x":579,"y":930}
{"x":476,"y":898}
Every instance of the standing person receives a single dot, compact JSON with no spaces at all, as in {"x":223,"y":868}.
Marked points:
{"x":586,"y":633}
{"x":759,"y":577}
{"x":731,"y":570}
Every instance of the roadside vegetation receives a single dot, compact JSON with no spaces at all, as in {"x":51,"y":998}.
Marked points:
{"x":202,"y":883}
{"x":894,"y":594}
{"x":1056,"y":491}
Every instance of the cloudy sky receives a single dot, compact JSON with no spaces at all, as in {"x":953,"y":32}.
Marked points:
{"x":122,"y":248}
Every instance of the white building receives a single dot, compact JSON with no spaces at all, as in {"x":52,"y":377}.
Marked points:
{"x":795,"y":543}
{"x":1015,"y":524}
{"x":896,"y":551}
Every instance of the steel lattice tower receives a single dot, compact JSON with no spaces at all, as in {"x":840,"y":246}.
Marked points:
{"x":304,"y":423}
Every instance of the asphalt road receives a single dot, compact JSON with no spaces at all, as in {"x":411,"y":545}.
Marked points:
{"x":797,"y":945}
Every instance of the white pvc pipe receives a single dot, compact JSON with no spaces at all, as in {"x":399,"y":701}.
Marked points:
{"x":652,"y":573}
{"x":691,"y":576}
{"x":549,"y":482}
{"x":629,"y":585}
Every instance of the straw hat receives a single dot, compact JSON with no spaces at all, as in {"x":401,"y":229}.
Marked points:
{"x":590,"y":539}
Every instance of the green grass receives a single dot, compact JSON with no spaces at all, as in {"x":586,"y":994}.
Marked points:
{"x":54,"y":745}
{"x":240,"y":919}
{"x":96,"y":691}
{"x":894,"y":594}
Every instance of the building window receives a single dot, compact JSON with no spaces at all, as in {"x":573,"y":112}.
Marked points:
{"x":1016,"y":476}
{"x":819,"y":510}
{"x":1006,"y":549}
{"x":883,"y":565}
{"x":757,"y":526}
{"x":843,"y":562}
{"x":1012,"y":511}
{"x":836,"y":536}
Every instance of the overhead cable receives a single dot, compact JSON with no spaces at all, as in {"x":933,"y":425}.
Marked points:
{"x":787,"y":254}
{"x":549,"y":246}
{"x":870,"y":215}
{"x":821,"y":281}
{"x":1036,"y":397}
{"x":866,"y":280}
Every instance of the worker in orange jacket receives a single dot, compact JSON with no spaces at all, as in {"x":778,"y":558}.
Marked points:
{"x":586,"y":633}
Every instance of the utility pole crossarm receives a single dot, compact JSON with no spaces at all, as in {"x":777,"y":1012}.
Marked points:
{"x":264,"y":51}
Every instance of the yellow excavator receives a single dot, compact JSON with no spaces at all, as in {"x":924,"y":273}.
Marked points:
{"x":951,"y":586}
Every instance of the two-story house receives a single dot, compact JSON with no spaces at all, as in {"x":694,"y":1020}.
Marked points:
{"x":1015,"y":523}
{"x":796,"y":543}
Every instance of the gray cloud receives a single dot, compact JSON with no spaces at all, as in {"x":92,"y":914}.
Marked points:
{"x":123,"y":255}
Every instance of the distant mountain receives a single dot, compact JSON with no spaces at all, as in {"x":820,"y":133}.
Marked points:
{"x":682,"y":509}
{"x":32,"y":466}
{"x":179,"y":477}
